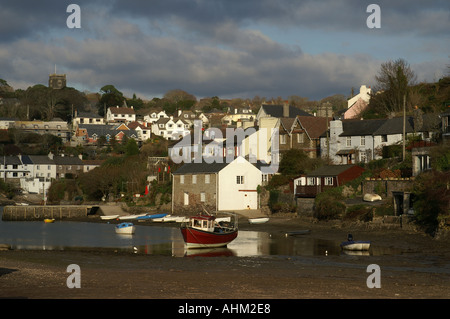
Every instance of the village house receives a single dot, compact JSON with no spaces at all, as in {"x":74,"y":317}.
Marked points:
{"x":143,"y":132}
{"x":358,"y":103}
{"x":354,"y":141}
{"x":120,"y":114}
{"x":216,"y":186}
{"x":154,"y":116}
{"x":240,"y":117}
{"x":67,"y":166}
{"x":190,"y":116}
{"x":91,"y":133}
{"x":325,"y":177}
{"x":302,"y":133}
{"x":86,"y":118}
{"x":56,"y":127}
{"x":278,"y":111}
{"x":171,"y":128}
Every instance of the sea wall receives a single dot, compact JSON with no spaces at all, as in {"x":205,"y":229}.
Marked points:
{"x":41,"y":212}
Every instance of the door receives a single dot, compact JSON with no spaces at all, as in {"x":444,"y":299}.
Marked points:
{"x":186,"y":198}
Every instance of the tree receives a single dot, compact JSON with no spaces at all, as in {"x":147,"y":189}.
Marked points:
{"x":295,"y":161}
{"x":393,"y":84}
{"x":432,"y":198}
{"x":110,"y":97}
{"x":131,"y":147}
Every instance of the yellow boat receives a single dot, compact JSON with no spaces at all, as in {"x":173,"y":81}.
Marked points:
{"x":49,"y":220}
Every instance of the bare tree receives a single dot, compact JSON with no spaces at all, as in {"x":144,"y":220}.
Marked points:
{"x":393,"y":82}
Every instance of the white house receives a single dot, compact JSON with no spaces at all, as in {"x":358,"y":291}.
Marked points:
{"x":170,"y":128}
{"x":353,"y":141}
{"x":120,"y":114}
{"x":218,"y":186}
{"x":154,"y":116}
{"x":87,"y":118}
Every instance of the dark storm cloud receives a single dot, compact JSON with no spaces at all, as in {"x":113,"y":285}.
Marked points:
{"x":206,"y":47}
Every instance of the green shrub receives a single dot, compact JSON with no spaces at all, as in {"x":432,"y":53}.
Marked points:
{"x":359,"y":212}
{"x":328,"y":207}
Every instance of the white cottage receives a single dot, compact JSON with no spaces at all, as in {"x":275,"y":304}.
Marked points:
{"x":218,"y":186}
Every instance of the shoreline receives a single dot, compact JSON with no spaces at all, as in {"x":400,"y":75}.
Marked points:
{"x":420,"y":271}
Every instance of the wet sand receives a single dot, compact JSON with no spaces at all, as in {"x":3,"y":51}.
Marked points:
{"x":421,"y":270}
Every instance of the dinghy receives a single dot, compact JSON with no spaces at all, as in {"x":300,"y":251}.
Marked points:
{"x":258,"y":220}
{"x":125,"y":228}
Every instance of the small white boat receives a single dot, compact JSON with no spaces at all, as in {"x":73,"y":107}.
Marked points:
{"x":355,"y":245}
{"x":125,"y":228}
{"x":259,"y":220}
{"x":371,"y":197}
{"x":109,"y":217}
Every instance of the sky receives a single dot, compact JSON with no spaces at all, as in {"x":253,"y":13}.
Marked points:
{"x":224,"y":48}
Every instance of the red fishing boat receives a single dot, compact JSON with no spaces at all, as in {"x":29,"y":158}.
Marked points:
{"x":205,"y":231}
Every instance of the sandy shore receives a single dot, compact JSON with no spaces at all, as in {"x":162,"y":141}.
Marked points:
{"x":421,"y":270}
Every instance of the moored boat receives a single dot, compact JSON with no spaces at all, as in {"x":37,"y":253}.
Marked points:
{"x":150,"y":216}
{"x":203,"y":231}
{"x":130,"y":217}
{"x":355,"y":245}
{"x":49,"y":220}
{"x":258,"y":220}
{"x":125,"y":228}
{"x":109,"y":217}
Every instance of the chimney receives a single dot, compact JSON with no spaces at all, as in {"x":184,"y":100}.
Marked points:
{"x":286,"y":109}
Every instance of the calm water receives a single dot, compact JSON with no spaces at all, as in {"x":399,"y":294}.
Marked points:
{"x":153,"y":240}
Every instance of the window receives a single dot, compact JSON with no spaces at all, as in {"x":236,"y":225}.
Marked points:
{"x":311,"y":181}
{"x":207,"y":179}
{"x":194,"y":179}
{"x":329,"y":181}
{"x":300,"y":138}
{"x":202,"y":197}
{"x":363,"y":141}
{"x":181,"y":179}
{"x":239,"y":179}
{"x":363,"y":157}
{"x":383,"y":138}
{"x":348,"y":141}
{"x":282,"y":139}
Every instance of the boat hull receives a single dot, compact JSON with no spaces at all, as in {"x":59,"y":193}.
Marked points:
{"x":355,"y":245}
{"x":195,"y":238}
{"x":125,"y":228}
{"x":260,"y":220}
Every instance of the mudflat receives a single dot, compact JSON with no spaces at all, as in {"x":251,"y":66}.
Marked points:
{"x":420,"y":270}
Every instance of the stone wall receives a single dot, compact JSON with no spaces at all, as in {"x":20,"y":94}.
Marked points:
{"x":40,"y":212}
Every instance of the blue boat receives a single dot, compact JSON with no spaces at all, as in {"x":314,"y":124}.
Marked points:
{"x":153,"y":216}
{"x":125,"y":228}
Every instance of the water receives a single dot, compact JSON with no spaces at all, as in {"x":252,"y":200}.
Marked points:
{"x":158,"y":240}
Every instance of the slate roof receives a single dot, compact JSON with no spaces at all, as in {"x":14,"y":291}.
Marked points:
{"x":395,"y":126}
{"x":37,"y":159}
{"x":361,"y":127}
{"x":277,"y":110}
{"x":67,"y":160}
{"x":200,"y":168}
{"x":122,"y":110}
{"x":330,"y":170}
{"x":314,"y":126}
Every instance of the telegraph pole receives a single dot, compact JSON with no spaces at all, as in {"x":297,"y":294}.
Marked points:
{"x":404,"y":126}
